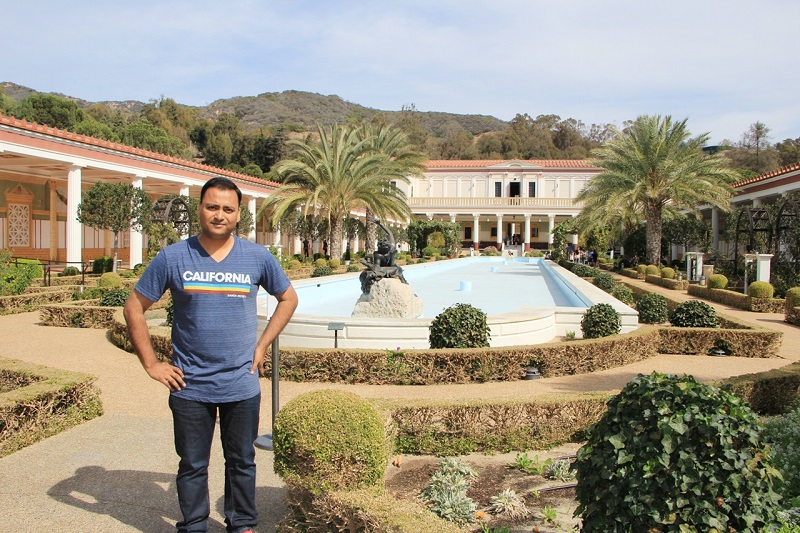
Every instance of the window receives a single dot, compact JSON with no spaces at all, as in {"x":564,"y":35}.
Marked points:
{"x":493,"y":232}
{"x":467,"y":233}
{"x":532,"y":189}
{"x":498,"y":189}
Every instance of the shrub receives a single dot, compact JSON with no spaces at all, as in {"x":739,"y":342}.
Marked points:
{"x":623,"y":293}
{"x":110,"y":280}
{"x":783,"y":434}
{"x":114,"y":297}
{"x":293,"y":264}
{"x":717,"y":281}
{"x":668,"y":273}
{"x":490,"y":250}
{"x":694,"y":314}
{"x":89,"y":293}
{"x":334,"y":263}
{"x":672,"y":454}
{"x":641,"y":269}
{"x":446,"y":494}
{"x":127,"y":274}
{"x":330,"y":440}
{"x":34,"y":266}
{"x":353,"y":268}
{"x":139,"y":268}
{"x":69,"y":271}
{"x":600,"y":320}
{"x":102,"y":264}
{"x":760,"y":289}
{"x":792,"y":298}
{"x":431,"y":251}
{"x":459,"y":326}
{"x":652,"y":308}
{"x":604,"y":281}
{"x":584,"y":271}
{"x":322,"y":271}
{"x":652,"y":270}
{"x":320,"y":262}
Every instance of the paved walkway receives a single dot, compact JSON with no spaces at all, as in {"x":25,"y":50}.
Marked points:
{"x":116,"y":472}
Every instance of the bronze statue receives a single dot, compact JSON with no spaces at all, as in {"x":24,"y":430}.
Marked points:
{"x":383,"y":262}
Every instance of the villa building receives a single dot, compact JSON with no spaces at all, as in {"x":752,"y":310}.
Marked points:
{"x":510,"y":204}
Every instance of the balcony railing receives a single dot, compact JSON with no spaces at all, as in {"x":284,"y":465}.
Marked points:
{"x":454,"y":202}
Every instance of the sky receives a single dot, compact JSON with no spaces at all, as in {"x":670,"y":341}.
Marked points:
{"x":722,"y":65}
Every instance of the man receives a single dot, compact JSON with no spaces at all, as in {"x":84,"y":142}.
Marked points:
{"x":217,"y":354}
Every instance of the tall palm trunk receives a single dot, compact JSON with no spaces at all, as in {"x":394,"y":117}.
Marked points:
{"x":369,"y":240}
{"x":335,"y":244}
{"x":652,"y":216}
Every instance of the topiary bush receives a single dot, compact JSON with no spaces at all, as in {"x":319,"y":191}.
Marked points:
{"x":760,"y":289}
{"x":668,"y":273}
{"x":334,"y":263}
{"x":139,"y":268}
{"x":293,"y":264}
{"x":584,"y":271}
{"x":694,"y":314}
{"x":431,"y":251}
{"x":641,"y":269}
{"x":322,"y":271}
{"x":652,"y":270}
{"x":792,"y":298}
{"x":459,"y":326}
{"x":604,"y":281}
{"x":600,"y":320}
{"x":330,"y":440}
{"x":353,"y":268}
{"x":652,"y":308}
{"x":110,"y":280}
{"x":114,"y":297}
{"x":102,"y":264}
{"x":672,"y":454}
{"x":717,"y":281}
{"x":320,"y":262}
{"x":69,"y":271}
{"x":623,"y":293}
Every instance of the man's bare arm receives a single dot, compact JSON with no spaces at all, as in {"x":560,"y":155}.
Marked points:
{"x":135,"y":307}
{"x":287,"y":303}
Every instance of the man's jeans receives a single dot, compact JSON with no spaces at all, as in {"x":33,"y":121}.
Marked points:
{"x":194,"y":430}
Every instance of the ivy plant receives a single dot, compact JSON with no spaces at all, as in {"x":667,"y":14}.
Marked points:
{"x":672,"y":454}
{"x":459,"y":326}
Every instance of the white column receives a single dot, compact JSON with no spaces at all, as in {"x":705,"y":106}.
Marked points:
{"x":251,"y":205}
{"x":136,"y":235}
{"x":452,"y":218}
{"x":499,"y":231}
{"x":476,"y":232}
{"x":184,"y":190}
{"x":276,"y":240}
{"x":297,"y":245}
{"x":526,"y":235}
{"x":715,"y":228}
{"x":763,"y":262}
{"x":74,"y":228}
{"x":551,"y":223}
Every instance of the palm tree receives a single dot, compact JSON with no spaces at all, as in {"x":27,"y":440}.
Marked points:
{"x":655,"y":166}
{"x":405,"y":161}
{"x":341,"y":172}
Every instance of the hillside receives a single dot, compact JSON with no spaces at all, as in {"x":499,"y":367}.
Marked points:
{"x":297,"y":108}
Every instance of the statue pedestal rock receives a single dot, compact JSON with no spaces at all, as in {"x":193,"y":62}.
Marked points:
{"x":389,"y":298}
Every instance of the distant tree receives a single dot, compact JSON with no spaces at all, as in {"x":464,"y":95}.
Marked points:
{"x":654,"y":166}
{"x":408,"y":120}
{"x":50,"y":110}
{"x":788,"y":152}
{"x":115,"y":207}
{"x":753,"y":153}
{"x":96,"y":129}
{"x":687,"y":231}
{"x":143,"y":134}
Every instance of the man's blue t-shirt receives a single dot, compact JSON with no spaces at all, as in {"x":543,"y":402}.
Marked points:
{"x":214,"y":327}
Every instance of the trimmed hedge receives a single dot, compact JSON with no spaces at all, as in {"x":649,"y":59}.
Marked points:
{"x":46,"y":403}
{"x":769,"y":393}
{"x":673,"y":284}
{"x":738,"y":300}
{"x":31,"y":301}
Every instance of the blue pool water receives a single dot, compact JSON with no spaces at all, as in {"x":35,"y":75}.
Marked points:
{"x":493,"y":284}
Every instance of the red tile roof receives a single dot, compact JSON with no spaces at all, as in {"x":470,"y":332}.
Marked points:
{"x":762,"y":177}
{"x":482,"y":163}
{"x":110,"y":145}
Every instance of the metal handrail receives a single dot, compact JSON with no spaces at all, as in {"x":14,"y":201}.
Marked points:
{"x":49,"y":264}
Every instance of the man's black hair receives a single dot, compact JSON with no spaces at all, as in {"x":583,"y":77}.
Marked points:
{"x":221,"y":183}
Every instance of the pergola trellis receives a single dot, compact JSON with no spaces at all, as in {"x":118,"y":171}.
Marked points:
{"x":174,"y":211}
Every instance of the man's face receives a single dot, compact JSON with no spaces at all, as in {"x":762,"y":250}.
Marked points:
{"x":218,"y":213}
